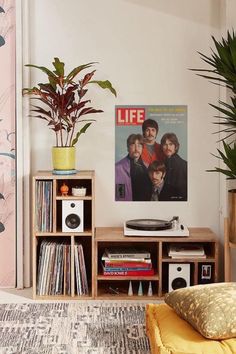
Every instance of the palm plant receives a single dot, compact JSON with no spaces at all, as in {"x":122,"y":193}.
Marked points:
{"x":63,"y":100}
{"x":223,"y":72}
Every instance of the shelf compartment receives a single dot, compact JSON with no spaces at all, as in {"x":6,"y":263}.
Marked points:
{"x":151,"y":247}
{"x":82,"y":265}
{"x":43,"y":205}
{"x":53,"y":275}
{"x":87,"y":215}
{"x":72,"y":183}
{"x":209,"y":248}
{"x":206,"y":272}
{"x":104,"y":289}
{"x":165,"y":274}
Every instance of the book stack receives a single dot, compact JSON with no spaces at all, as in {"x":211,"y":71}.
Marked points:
{"x":127,"y":262}
{"x":187,"y":250}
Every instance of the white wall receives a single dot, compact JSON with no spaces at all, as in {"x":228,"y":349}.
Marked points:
{"x":145,"y":48}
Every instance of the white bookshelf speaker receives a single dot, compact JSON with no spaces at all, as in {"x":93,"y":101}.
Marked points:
{"x":72,"y":216}
{"x":179,"y":276}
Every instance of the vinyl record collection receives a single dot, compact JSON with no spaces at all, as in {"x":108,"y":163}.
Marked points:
{"x":43,"y":206}
{"x":80,"y":271}
{"x":54,"y":269}
{"x":127,"y":262}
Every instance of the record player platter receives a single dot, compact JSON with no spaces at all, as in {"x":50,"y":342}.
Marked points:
{"x":156,"y":227}
{"x":149,"y":224}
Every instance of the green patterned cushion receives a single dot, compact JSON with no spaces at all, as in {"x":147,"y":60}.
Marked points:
{"x":210,"y":309}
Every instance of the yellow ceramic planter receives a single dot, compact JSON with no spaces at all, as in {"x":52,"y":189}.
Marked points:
{"x":63,"y":158}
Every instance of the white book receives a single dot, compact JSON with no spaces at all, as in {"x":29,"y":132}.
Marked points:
{"x":126,"y":252}
{"x":189,"y":256}
{"x":189,"y":249}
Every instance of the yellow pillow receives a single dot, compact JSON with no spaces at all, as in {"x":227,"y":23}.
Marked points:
{"x":170,"y":334}
{"x":210,"y":309}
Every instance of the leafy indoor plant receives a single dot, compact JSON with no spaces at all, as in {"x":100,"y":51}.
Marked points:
{"x":64,"y":106}
{"x":223,"y":72}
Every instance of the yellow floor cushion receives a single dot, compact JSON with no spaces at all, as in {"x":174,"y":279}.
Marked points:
{"x":170,"y":334}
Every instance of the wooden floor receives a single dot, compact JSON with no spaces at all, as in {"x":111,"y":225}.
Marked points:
{"x":26,"y":295}
{"x":15,"y":296}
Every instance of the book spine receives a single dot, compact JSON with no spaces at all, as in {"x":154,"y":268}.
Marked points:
{"x":128,"y":265}
{"x":119,"y":269}
{"x":124,"y":260}
{"x":128,"y":255}
{"x":130,"y":273}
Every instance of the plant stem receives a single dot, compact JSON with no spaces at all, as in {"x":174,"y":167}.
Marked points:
{"x":73,"y":128}
{"x":67,"y":137}
{"x":72,"y":133}
{"x":60,"y":121}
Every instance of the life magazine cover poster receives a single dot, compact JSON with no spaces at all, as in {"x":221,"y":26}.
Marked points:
{"x":151,"y":153}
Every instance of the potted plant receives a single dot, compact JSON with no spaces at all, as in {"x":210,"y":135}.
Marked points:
{"x":223,"y":72}
{"x":64,"y":107}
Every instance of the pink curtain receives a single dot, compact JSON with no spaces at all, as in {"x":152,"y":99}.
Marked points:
{"x":7,"y":144}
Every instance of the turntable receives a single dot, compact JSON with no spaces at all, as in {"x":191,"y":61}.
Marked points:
{"x":156,"y":227}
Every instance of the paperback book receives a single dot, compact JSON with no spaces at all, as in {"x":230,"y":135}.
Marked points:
{"x":138,"y":273}
{"x":122,"y":252}
{"x":186,"y":250}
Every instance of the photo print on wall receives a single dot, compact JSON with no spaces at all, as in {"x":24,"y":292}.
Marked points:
{"x":151,"y":153}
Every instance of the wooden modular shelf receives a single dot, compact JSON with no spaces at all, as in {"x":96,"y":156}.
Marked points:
{"x":47,"y":215}
{"x":94,"y":241}
{"x":157,"y":246}
{"x":63,"y":234}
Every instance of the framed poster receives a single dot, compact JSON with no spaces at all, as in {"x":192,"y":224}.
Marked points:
{"x":151,"y":153}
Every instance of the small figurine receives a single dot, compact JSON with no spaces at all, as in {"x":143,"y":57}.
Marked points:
{"x":130,"y":291}
{"x":64,"y":190}
{"x":140,"y":289}
{"x":150,"y":289}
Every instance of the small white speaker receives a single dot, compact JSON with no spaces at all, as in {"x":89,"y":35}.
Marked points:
{"x":179,"y":276}
{"x":72,"y":216}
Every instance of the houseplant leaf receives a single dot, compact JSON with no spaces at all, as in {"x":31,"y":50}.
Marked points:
{"x":77,"y":70}
{"x":59,"y":66}
{"x":82,"y":131}
{"x":223,"y":71}
{"x":105,"y":85}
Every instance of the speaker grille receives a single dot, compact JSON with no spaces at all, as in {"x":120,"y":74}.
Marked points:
{"x":72,"y":221}
{"x":178,"y":283}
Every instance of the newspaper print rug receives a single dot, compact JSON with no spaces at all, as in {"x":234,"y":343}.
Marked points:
{"x":71,"y":328}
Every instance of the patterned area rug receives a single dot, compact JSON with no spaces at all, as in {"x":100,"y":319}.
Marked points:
{"x":71,"y":328}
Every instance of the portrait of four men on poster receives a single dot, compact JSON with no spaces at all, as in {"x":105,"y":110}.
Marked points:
{"x":151,"y":170}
